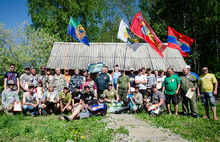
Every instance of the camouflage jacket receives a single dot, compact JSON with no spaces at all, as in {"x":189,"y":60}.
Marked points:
{"x":73,"y":82}
{"x":187,"y":82}
{"x":58,"y":83}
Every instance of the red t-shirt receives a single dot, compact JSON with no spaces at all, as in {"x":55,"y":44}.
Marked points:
{"x":87,"y":84}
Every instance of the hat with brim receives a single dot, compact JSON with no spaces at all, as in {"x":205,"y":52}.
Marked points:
{"x":11,"y":82}
{"x":51,"y":85}
{"x":87,"y":87}
{"x":66,"y":87}
{"x":30,"y":85}
{"x":27,"y":68}
{"x":122,"y":69}
{"x":160,"y":71}
{"x":77,"y":86}
{"x":110,"y":84}
{"x":132,"y":89}
{"x":131,"y":69}
{"x":149,"y":69}
{"x":140,"y":69}
{"x":154,"y":86}
{"x":102,"y":96}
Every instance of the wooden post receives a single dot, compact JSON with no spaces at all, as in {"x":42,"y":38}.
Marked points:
{"x":166,"y":60}
{"x":150,"y":58}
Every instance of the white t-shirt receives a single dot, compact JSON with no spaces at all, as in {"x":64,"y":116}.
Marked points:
{"x":160,"y":79}
{"x":141,"y":78}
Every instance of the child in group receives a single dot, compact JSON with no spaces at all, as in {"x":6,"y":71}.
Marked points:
{"x":39,"y":90}
{"x":131,"y":102}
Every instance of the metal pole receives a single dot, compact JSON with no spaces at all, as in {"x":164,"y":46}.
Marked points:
{"x":125,"y":53}
{"x":150,"y":58}
{"x":166,"y":60}
{"x":115,"y":53}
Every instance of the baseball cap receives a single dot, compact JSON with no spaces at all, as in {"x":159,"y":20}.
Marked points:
{"x":154,"y":85}
{"x":84,"y":70}
{"x":160,"y":71}
{"x":77,"y":86}
{"x":27,"y":68}
{"x":39,"y":81}
{"x":149,"y":69}
{"x":66,"y":87}
{"x":66,"y":69}
{"x":11,"y":82}
{"x":87,"y":87}
{"x":102,"y":96}
{"x":43,"y":68}
{"x":171,"y":67}
{"x":132,"y":89}
{"x":30,"y":85}
{"x":188,"y":67}
{"x":131,"y":69}
{"x":136,"y":86}
{"x":140,"y":69}
{"x":116,"y":65}
{"x":110,"y":83}
{"x":122,"y":69}
{"x":48,"y":69}
{"x":51,"y":85}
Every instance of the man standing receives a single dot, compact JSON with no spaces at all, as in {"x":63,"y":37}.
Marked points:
{"x":67,"y":76}
{"x":188,"y":81}
{"x":102,"y":81}
{"x":160,"y":79}
{"x":33,"y":73}
{"x":144,"y":71}
{"x":106,"y":71}
{"x":189,"y":68}
{"x":141,"y":81}
{"x":171,"y":88}
{"x":12,"y":75}
{"x":76,"y":79}
{"x":49,"y":74}
{"x":205,"y":85}
{"x":111,"y":94}
{"x":42,"y":77}
{"x":25,"y":79}
{"x":132,"y":77}
{"x":58,"y":81}
{"x":115,"y":75}
{"x":123,"y":85}
{"x":150,"y":81}
{"x":8,"y":97}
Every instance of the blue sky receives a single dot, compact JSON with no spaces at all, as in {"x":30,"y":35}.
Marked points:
{"x":13,"y":11}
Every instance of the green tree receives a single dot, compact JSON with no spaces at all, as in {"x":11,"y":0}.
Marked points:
{"x":24,"y":46}
{"x":53,"y":16}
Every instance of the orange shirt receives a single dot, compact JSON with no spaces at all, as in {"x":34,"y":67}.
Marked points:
{"x":67,"y":77}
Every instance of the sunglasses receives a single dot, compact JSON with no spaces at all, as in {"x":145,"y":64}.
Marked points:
{"x":101,"y":98}
{"x":204,"y":69}
{"x":31,"y":87}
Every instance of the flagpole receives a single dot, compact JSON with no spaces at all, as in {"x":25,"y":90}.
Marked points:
{"x":166,"y":59}
{"x":150,"y":58}
{"x":125,"y":53}
{"x":115,"y":54}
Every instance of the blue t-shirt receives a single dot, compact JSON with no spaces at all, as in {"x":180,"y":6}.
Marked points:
{"x":115,"y":77}
{"x":132,"y":80}
{"x":130,"y":96}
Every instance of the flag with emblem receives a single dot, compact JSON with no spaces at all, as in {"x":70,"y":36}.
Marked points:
{"x":127,"y":36}
{"x":142,"y":29}
{"x":77,"y":31}
{"x":179,"y":41}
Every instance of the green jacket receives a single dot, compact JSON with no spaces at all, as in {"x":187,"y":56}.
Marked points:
{"x":187,"y":82}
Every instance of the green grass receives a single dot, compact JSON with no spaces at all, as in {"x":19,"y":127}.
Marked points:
{"x":19,"y":128}
{"x":188,"y":127}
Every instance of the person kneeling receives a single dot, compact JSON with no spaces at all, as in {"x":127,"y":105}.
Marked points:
{"x":111,"y":94}
{"x":97,"y":107}
{"x":157,"y":106}
{"x":28,"y":101}
{"x":50,"y":101}
{"x":65,"y":101}
{"x":9,"y":95}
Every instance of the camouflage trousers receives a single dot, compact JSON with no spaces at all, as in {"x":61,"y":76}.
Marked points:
{"x":123,"y":95}
{"x":193,"y":105}
{"x":6,"y":111}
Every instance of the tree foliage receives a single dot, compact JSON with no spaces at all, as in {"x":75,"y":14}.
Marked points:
{"x":24,"y":46}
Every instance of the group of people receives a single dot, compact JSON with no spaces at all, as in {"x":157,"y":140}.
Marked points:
{"x":44,"y":94}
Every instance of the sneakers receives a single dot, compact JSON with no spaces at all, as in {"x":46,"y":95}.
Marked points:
{"x":215,"y":118}
{"x":195,"y":116}
{"x":206,"y":117}
{"x":185,"y":115}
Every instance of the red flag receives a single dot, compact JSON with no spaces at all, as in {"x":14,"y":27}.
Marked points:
{"x":141,"y":28}
{"x":179,"y":41}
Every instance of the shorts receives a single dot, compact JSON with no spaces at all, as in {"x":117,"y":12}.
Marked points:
{"x":84,"y":114}
{"x":208,"y":96}
{"x":174,"y":99}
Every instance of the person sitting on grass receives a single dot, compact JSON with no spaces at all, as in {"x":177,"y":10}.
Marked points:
{"x":50,"y":101}
{"x":77,"y":97}
{"x":29,"y":99}
{"x":156,"y":98}
{"x":8,"y":97}
{"x":88,"y":95}
{"x":131,"y":101}
{"x":111,"y":94}
{"x":65,"y":102}
{"x":100,"y":112}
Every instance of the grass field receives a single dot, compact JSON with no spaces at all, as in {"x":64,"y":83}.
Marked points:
{"x":188,"y":127}
{"x":19,"y":128}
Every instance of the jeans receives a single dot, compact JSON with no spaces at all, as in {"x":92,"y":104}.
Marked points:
{"x":30,"y":108}
{"x":131,"y":105}
{"x":208,"y":96}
